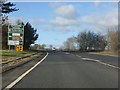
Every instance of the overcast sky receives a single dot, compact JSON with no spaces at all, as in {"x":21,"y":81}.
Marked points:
{"x":57,"y":21}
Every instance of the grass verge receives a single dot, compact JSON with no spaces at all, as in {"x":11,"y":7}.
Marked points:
{"x":108,"y":53}
{"x":12,"y":55}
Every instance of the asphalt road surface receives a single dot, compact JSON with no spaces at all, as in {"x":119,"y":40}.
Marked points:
{"x":63,"y":70}
{"x":103,"y":58}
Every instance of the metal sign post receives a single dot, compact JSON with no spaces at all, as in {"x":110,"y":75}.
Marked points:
{"x":9,"y":48}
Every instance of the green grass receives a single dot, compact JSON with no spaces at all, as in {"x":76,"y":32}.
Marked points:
{"x":12,"y":55}
{"x":16,"y":54}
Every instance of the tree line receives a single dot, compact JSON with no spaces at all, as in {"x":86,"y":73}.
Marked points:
{"x":84,"y":41}
{"x":90,"y":41}
{"x":30,"y":33}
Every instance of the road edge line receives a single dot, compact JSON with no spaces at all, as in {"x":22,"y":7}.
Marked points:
{"x":108,"y":65}
{"x":24,"y":74}
{"x":113,"y":66}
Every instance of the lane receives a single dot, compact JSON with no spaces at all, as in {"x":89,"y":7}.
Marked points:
{"x":60,"y":70}
{"x":11,"y":75}
{"x":106,"y":59}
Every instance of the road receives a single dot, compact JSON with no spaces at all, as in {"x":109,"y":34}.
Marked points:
{"x":103,"y":58}
{"x":64,"y":70}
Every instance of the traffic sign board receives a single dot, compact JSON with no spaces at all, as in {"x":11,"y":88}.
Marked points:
{"x":15,"y":35}
{"x":19,"y":48}
{"x":16,"y":28}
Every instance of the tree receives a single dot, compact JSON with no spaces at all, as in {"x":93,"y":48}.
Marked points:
{"x":70,"y":44}
{"x":7,"y":7}
{"x":66,"y":46}
{"x":19,"y":22}
{"x":88,"y":41}
{"x":51,"y":47}
{"x":82,"y":40}
{"x":114,"y":41}
{"x":30,"y":35}
{"x":4,"y":36}
{"x":100,"y":42}
{"x":43,"y":46}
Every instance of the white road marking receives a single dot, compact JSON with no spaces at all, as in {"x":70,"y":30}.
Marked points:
{"x":78,"y":56}
{"x":109,"y":65}
{"x":24,"y":74}
{"x":67,"y":53}
{"x":90,"y":59}
{"x":99,"y":62}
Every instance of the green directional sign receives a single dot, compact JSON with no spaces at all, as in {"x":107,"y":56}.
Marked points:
{"x":15,"y":35}
{"x":16,"y":28}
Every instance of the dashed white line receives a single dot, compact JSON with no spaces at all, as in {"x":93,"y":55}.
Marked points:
{"x":90,"y":59}
{"x":78,"y":56}
{"x":24,"y":74}
{"x":67,"y":53}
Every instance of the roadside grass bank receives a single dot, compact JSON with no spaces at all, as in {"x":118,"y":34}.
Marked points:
{"x":110,"y":53}
{"x":12,"y":59}
{"x":12,"y":55}
{"x":18,"y":68}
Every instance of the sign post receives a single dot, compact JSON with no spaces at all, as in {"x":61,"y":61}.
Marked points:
{"x":9,"y":48}
{"x":16,"y":36}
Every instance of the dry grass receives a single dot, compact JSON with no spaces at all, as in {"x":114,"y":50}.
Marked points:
{"x":108,"y":53}
{"x":12,"y":55}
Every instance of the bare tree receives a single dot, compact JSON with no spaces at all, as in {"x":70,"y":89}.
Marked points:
{"x":91,"y":41}
{"x":43,"y":46}
{"x":19,"y":22}
{"x":114,"y":42}
{"x":70,"y":44}
{"x":51,"y":46}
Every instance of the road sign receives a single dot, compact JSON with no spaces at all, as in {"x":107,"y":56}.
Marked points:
{"x":19,"y":48}
{"x":15,"y":35}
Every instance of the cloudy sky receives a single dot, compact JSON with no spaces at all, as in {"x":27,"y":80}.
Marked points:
{"x":57,"y":21}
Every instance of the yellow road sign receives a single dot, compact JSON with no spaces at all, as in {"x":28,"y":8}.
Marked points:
{"x":19,"y":48}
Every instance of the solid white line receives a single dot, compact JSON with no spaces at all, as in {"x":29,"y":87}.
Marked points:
{"x":24,"y":74}
{"x":101,"y":62}
{"x":109,"y":65}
